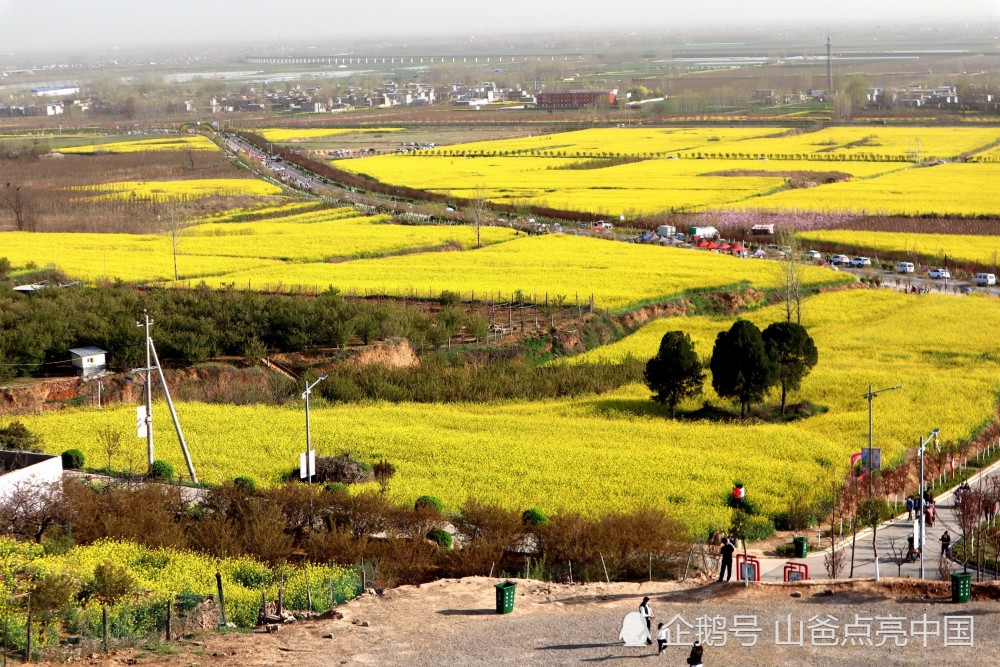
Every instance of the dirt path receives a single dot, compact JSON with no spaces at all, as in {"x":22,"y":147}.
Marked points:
{"x":453,"y":622}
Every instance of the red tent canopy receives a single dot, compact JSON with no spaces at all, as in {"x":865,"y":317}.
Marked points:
{"x":712,"y":245}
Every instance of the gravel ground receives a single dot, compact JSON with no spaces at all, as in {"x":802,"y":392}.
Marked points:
{"x":453,"y":622}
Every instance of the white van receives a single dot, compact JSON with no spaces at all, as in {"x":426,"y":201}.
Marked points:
{"x":905,"y":267}
{"x":985,"y":279}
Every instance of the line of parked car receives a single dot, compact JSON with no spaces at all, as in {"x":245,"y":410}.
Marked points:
{"x":979,"y":280}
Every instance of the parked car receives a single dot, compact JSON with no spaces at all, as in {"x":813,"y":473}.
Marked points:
{"x":939,"y":274}
{"x":985,"y":279}
{"x":603,"y":226}
{"x":839,"y":259}
{"x":859,"y":262}
{"x":907,"y":267}
{"x":813,"y":254}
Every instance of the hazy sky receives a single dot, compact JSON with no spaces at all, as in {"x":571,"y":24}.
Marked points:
{"x":50,"y":24}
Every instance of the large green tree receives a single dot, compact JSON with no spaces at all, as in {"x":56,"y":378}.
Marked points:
{"x":793,"y":352}
{"x":675,"y":372}
{"x":741,"y":369}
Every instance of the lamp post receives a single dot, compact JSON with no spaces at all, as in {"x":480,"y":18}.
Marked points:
{"x":919,"y":539}
{"x":305,"y":395}
{"x":871,"y":397}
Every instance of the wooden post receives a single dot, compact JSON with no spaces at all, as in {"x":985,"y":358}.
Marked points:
{"x":223,"y":621}
{"x":309,"y":593}
{"x":170,"y":606}
{"x":104,"y":627}
{"x":330,"y":575}
{"x":263,"y":606}
{"x":606,"y":577}
{"x":27,"y":629}
{"x":281,"y":592}
{"x":591,"y":303}
{"x":571,"y":572}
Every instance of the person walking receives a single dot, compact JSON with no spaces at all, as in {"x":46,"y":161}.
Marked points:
{"x":661,"y":638}
{"x":647,"y":615}
{"x":726,"y":568}
{"x":694,"y":659}
{"x":909,"y":509}
{"x":945,"y":544}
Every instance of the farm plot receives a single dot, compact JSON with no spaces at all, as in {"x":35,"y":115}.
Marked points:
{"x":941,"y":349}
{"x":629,"y":171}
{"x":620,"y":276}
{"x":174,"y":143}
{"x":947,"y":189}
{"x":217,"y":248}
{"x":188,"y":189}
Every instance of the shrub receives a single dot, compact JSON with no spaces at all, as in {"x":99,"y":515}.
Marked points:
{"x":533,"y":517}
{"x":160,"y":470}
{"x":441,"y":537}
{"x":335,"y":488}
{"x":449,"y":298}
{"x":343,"y":469}
{"x":17,"y":437}
{"x":72,"y":459}
{"x":428,"y":502}
{"x":758,"y":528}
{"x":245,"y":483}
{"x":112,"y":582}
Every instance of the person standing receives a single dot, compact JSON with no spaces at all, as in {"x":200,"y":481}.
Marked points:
{"x":945,"y":543}
{"x":726,"y":568}
{"x":647,"y":614}
{"x":661,"y":638}
{"x":909,"y":509}
{"x":695,"y":657}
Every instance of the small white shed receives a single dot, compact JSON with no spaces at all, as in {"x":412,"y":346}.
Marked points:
{"x":88,"y":361}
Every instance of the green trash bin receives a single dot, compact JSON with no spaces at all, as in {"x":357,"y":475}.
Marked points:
{"x":801,"y":545}
{"x":961,"y":587}
{"x":505,"y":597}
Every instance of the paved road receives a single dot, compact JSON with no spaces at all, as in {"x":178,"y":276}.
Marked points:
{"x":898,"y":529}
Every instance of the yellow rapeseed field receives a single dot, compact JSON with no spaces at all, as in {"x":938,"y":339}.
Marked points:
{"x":618,"y":275}
{"x":617,"y":452}
{"x":534,"y":170}
{"x":162,"y":574}
{"x":218,"y":248}
{"x":188,"y":189}
{"x":947,"y":189}
{"x":175,"y":143}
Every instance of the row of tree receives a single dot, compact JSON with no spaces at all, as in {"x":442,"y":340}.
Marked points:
{"x":746,"y":363}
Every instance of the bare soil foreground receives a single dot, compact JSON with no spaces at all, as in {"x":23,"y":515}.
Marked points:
{"x":453,"y":622}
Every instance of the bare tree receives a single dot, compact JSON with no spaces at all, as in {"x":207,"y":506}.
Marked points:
{"x":791,"y":271}
{"x":19,"y":201}
{"x":479,"y":210}
{"x":899,"y":553}
{"x":29,"y":509}
{"x":835,"y":561}
{"x":111,"y":442}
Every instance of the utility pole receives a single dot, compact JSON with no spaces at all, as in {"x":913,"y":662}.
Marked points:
{"x":829,"y":66}
{"x":305,"y":395}
{"x":871,"y":396}
{"x":149,"y":388}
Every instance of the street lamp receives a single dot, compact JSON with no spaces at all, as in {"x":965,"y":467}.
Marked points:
{"x":305,"y":395}
{"x":919,"y":539}
{"x":871,"y":397}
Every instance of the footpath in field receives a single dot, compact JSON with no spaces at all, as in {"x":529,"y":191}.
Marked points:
{"x":894,"y":531}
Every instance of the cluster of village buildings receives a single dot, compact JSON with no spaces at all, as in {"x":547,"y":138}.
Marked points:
{"x":57,"y":100}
